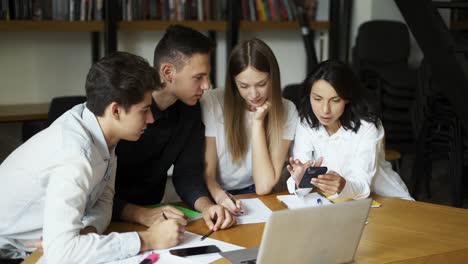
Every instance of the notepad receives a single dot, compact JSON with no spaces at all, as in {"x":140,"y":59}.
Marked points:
{"x":190,"y":214}
{"x":310,"y":200}
{"x":190,"y":240}
{"x":334,"y":199}
{"x":255,"y":211}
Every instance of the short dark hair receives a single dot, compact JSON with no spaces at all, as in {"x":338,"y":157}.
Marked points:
{"x":180,"y":43}
{"x":119,"y":77}
{"x":346,"y":84}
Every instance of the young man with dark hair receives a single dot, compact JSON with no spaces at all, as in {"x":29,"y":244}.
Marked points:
{"x":176,"y":138}
{"x":59,"y":185}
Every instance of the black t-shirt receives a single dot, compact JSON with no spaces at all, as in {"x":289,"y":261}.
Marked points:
{"x":176,"y":137}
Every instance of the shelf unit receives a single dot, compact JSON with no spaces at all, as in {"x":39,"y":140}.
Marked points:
{"x":23,"y":112}
{"x":51,"y":26}
{"x":459,"y":25}
{"x":39,"y":111}
{"x":149,"y":25}
{"x":110,"y":27}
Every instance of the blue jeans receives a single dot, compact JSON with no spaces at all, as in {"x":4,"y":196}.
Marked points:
{"x":248,"y":189}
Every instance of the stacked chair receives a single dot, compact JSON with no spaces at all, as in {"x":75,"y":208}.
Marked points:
{"x":58,"y":106}
{"x":440,"y":137}
{"x":380,"y":57}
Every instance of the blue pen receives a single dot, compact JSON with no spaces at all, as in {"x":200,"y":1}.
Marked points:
{"x":319,"y":201}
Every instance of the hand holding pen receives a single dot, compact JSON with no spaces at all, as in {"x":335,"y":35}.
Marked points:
{"x":234,"y":205}
{"x":165,"y":232}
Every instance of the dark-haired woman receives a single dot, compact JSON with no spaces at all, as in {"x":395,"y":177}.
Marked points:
{"x":338,"y":129}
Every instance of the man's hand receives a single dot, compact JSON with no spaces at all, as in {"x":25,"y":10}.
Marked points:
{"x":216,"y":216}
{"x":147,"y":216}
{"x":234,"y":207}
{"x":163,"y":233}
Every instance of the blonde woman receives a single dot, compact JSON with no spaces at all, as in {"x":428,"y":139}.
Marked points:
{"x":248,"y":126}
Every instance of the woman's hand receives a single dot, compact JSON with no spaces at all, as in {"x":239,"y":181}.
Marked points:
{"x":330,"y":183}
{"x":262,"y":111}
{"x":233,"y":205}
{"x":297,"y":169}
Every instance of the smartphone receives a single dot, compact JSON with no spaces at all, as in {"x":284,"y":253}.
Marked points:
{"x":184,"y":252}
{"x":310,"y":173}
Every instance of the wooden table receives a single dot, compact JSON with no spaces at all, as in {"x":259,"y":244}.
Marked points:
{"x":398,"y":232}
{"x":23,"y":112}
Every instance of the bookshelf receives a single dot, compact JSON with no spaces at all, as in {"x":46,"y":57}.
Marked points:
{"x":51,"y":26}
{"x":280,"y":25}
{"x":216,"y":25}
{"x":106,"y":31}
{"x":149,"y":25}
{"x":23,"y":112}
{"x":459,"y":25}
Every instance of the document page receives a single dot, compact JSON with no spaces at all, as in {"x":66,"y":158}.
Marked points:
{"x":255,"y":211}
{"x":293,"y":201}
{"x":190,"y":240}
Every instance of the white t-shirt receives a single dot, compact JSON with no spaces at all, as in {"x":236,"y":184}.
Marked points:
{"x":358,"y":157}
{"x":232,"y":176}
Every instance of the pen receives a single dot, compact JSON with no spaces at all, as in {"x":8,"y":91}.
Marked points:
{"x":164,"y":215}
{"x":325,"y":197}
{"x":206,"y":235}
{"x":319,"y":201}
{"x":150,"y":259}
{"x":234,"y":201}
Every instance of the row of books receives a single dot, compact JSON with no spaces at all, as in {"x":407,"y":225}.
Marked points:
{"x":200,"y":10}
{"x":267,"y":10}
{"x":71,"y":10}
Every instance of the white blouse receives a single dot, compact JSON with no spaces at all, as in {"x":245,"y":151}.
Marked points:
{"x":357,"y":157}
{"x":232,"y":176}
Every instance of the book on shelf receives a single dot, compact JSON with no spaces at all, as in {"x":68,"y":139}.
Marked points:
{"x":206,"y":10}
{"x":177,"y":10}
{"x":62,"y":10}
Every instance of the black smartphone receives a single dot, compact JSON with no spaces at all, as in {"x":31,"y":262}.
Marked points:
{"x":311,"y":172}
{"x":184,"y":252}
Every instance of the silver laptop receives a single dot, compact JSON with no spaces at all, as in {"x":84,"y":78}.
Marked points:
{"x":324,"y":234}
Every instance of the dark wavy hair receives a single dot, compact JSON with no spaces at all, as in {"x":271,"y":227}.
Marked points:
{"x":341,"y":77}
{"x":119,"y":77}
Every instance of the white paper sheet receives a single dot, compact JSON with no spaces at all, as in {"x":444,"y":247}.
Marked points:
{"x":310,"y":200}
{"x":190,"y":240}
{"x":255,"y":211}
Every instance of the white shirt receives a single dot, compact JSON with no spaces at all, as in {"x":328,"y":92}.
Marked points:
{"x":57,"y":183}
{"x":357,"y":157}
{"x":230,"y":175}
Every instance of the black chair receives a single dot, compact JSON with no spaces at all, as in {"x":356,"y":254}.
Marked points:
{"x":380,"y":58}
{"x":58,"y":106}
{"x":292,"y":92}
{"x":439,"y":137}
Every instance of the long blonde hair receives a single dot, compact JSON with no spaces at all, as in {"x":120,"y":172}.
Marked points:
{"x":257,"y":54}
